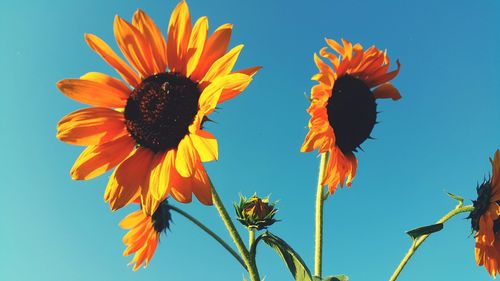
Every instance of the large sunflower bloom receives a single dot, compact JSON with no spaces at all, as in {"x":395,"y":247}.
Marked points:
{"x":485,"y":220}
{"x":144,"y":233}
{"x":343,"y":107}
{"x":150,"y":128}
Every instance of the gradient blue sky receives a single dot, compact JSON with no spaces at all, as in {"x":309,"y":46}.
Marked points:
{"x":437,"y":138}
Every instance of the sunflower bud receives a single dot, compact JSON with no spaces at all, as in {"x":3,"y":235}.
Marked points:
{"x":255,"y":212}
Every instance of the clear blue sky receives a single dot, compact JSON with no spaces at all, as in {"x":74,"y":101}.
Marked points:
{"x":437,"y":138}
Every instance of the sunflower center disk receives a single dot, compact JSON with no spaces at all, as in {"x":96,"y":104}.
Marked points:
{"x":159,"y":111}
{"x":352,"y":112}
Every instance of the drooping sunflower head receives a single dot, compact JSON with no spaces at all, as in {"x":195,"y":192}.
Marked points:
{"x":149,"y":126}
{"x":144,"y":233}
{"x":343,"y":105}
{"x":485,"y":220}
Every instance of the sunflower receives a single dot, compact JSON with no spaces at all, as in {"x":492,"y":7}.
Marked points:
{"x":343,"y":105}
{"x":150,"y":128}
{"x":144,"y":234}
{"x":485,"y":220}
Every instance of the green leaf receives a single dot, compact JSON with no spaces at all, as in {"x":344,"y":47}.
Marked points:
{"x":456,"y":197}
{"x":292,"y":260}
{"x":332,"y":278}
{"x":341,"y":277}
{"x":428,"y":229}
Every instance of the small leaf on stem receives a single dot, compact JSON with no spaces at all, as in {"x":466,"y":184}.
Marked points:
{"x":456,"y":197}
{"x":424,"y":230}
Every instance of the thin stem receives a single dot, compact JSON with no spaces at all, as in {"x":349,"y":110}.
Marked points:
{"x":459,"y":209}
{"x":211,"y":233}
{"x":318,"y":241}
{"x":250,"y":264}
{"x":251,"y":237}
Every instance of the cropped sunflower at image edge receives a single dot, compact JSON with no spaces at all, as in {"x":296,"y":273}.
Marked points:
{"x":485,"y":220}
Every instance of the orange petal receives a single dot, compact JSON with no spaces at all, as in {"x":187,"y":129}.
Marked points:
{"x":196,"y":44}
{"x":93,"y":93}
{"x":134,"y":47}
{"x":128,"y":179}
{"x":202,"y":187}
{"x":326,"y":75}
{"x":347,"y":49}
{"x":215,"y":47}
{"x":353,"y":166}
{"x":381,"y":79}
{"x":152,"y":36}
{"x":321,"y":141}
{"x":319,"y":92}
{"x":333,"y":58}
{"x":179,"y":31}
{"x":181,"y":187}
{"x":136,"y":236}
{"x":98,"y":159}
{"x":91,"y":126}
{"x":206,"y":145}
{"x":107,"y":54}
{"x":141,"y":255}
{"x":495,"y":177}
{"x":186,"y":157}
{"x":338,"y":169}
{"x":210,"y":96}
{"x":386,"y":91}
{"x":335,"y":46}
{"x":153,"y":243}
{"x":109,"y":81}
{"x":223,"y":65}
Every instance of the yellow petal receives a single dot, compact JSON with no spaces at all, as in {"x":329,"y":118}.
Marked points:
{"x":160,"y":176}
{"x":206,"y":145}
{"x":211,"y":94}
{"x":228,"y":94}
{"x":223,"y":65}
{"x":196,"y":44}
{"x":187,"y":157}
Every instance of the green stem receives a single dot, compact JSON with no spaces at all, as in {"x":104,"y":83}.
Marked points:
{"x":318,"y":242}
{"x":250,"y":264}
{"x":459,"y":209}
{"x":211,"y":233}
{"x":251,"y":237}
